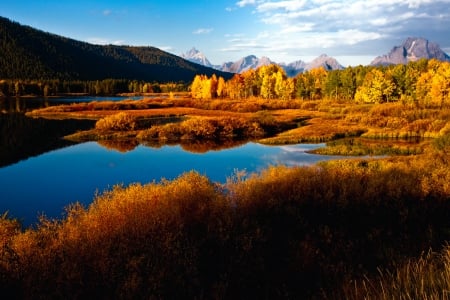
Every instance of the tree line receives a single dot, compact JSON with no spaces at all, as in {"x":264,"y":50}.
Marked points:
{"x":425,"y":82}
{"x":106,"y":87}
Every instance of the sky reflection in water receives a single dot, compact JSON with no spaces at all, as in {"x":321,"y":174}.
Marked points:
{"x":49,"y":182}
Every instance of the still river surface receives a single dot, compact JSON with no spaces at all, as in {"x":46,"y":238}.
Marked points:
{"x":48,"y":182}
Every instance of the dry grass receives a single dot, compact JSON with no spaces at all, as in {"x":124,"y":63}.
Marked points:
{"x":316,"y":130}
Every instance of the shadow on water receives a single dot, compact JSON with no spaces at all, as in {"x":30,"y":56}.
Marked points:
{"x":22,"y":137}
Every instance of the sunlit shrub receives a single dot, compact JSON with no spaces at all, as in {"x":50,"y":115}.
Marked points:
{"x":198,"y":128}
{"x":120,"y":122}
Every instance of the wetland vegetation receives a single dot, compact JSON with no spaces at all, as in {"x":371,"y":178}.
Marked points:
{"x":351,"y":229}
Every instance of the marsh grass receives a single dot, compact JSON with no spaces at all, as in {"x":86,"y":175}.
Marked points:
{"x":362,"y":146}
{"x":426,"y":277}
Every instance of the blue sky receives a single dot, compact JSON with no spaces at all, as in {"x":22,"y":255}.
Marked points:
{"x":354,"y":31}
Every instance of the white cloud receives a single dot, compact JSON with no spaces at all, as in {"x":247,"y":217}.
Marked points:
{"x":107,"y":12}
{"x":289,"y":5}
{"x":336,"y":27}
{"x":203,"y":31}
{"x":324,"y":17}
{"x":104,"y":41}
{"x":166,"y":48}
{"x":305,"y":27}
{"x":243,"y":3}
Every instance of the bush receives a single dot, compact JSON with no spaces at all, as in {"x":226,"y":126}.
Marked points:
{"x":117,"y":122}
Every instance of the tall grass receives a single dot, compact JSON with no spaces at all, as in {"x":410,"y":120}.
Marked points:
{"x":427,"y":277}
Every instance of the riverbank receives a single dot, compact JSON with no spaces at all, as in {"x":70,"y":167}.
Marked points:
{"x":272,"y":122}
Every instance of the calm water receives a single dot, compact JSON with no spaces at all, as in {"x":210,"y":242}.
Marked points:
{"x":49,"y":182}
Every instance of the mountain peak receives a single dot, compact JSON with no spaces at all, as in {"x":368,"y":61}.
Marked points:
{"x":197,"y":57}
{"x":324,"y":61}
{"x":412,"y":49}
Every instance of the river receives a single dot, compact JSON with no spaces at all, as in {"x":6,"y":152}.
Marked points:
{"x":41,"y":174}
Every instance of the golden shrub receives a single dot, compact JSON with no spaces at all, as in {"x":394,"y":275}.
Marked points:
{"x":117,"y":122}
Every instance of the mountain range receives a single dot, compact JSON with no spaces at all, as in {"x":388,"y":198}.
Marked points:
{"x":411,"y":49}
{"x":253,"y":62}
{"x":28,"y":53}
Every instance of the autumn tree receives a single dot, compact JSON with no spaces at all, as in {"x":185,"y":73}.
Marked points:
{"x":235,"y":87}
{"x":197,"y":86}
{"x":433,"y":86}
{"x":376,"y":88}
{"x":221,"y":87}
{"x":440,"y":85}
{"x":319,"y":75}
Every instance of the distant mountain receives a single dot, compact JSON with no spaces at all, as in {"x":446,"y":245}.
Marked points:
{"x":294,"y":68}
{"x":324,"y":61}
{"x":28,"y":53}
{"x":197,"y":57}
{"x":411,"y":50}
{"x":245,"y":64}
{"x":327,"y":62}
{"x":253,"y":62}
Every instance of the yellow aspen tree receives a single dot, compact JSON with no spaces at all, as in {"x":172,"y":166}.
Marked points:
{"x":268,"y":86}
{"x":213,"y":86}
{"x":279,"y":87}
{"x":440,"y":85}
{"x":221,"y":87}
{"x":376,"y":88}
{"x":206,"y":88}
{"x":289,"y":89}
{"x":319,"y":75}
{"x":196,"y":87}
{"x":423,"y":87}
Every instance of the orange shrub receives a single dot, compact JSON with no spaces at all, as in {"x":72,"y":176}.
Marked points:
{"x":117,"y":122}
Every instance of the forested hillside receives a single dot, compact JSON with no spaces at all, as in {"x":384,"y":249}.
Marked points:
{"x":27,"y":53}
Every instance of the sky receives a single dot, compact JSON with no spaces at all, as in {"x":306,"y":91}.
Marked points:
{"x":354,"y":32}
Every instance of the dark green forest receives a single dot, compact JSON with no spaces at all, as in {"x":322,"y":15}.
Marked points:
{"x":28,"y":53}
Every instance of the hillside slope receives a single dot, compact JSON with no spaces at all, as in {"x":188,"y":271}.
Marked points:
{"x":28,"y":53}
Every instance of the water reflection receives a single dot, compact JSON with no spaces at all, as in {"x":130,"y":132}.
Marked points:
{"x":22,"y":137}
{"x":49,"y":182}
{"x":119,"y":145}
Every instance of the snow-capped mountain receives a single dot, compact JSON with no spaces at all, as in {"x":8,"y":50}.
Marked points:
{"x":292,"y":69}
{"x":245,"y":64}
{"x":197,"y":57}
{"x":411,"y":50}
{"x":253,"y":62}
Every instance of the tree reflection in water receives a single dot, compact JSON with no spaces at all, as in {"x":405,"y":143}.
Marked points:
{"x":22,"y":137}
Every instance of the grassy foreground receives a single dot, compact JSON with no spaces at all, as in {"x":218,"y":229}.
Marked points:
{"x":308,"y":232}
